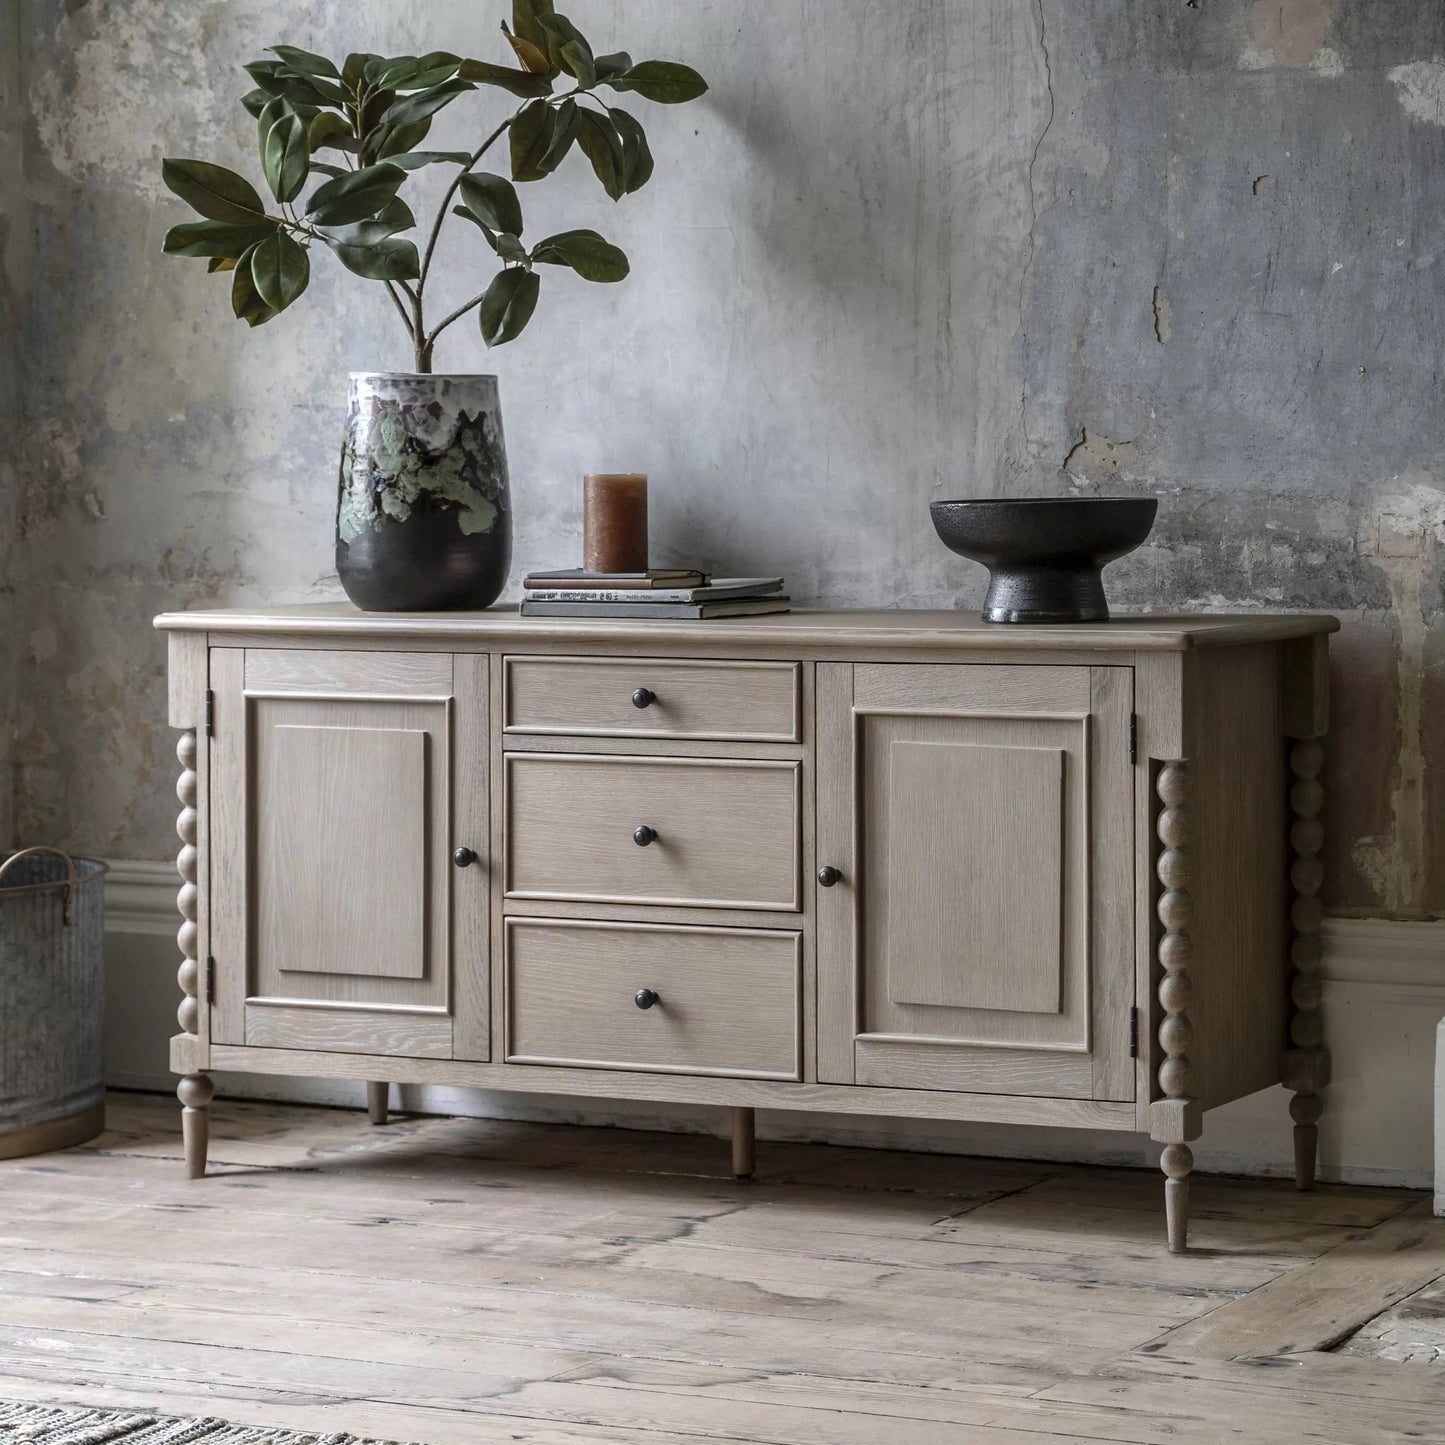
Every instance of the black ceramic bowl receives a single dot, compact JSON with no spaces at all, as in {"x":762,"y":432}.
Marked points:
{"x":1044,"y":554}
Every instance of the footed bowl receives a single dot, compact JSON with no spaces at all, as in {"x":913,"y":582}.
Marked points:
{"x":1044,"y":554}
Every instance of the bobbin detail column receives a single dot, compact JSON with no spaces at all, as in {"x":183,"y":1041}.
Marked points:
{"x":1176,"y":1118}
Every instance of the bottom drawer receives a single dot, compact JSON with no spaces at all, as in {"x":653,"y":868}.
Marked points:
{"x":727,"y":999}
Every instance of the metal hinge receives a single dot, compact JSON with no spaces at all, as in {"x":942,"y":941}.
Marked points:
{"x":210,"y":980}
{"x":1133,"y":737}
{"x":210,"y":713}
{"x":1133,"y":1033}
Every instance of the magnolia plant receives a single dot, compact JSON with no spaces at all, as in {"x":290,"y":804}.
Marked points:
{"x":361,"y":125}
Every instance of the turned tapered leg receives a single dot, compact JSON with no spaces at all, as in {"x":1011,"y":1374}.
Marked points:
{"x":1175,"y":1119}
{"x":1306,"y":1066}
{"x":376,"y":1100}
{"x":195,"y":1091}
{"x":744,"y":1143}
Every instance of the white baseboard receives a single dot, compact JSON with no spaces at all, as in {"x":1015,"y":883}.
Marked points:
{"x":1384,"y":993}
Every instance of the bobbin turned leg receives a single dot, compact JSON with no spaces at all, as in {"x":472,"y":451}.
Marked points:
{"x":376,"y":1102}
{"x":1175,"y":1119}
{"x":744,"y":1143}
{"x":195,"y":1092}
{"x":1306,"y":1065}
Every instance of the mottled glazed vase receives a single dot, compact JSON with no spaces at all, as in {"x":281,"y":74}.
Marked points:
{"x":423,"y":516}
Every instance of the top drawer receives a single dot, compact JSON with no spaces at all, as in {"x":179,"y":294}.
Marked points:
{"x":651,"y":698}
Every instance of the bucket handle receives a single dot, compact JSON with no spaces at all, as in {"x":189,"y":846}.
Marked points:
{"x":72,"y":878}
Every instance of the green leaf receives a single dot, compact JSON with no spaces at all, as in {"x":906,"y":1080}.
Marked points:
{"x":527,"y":20}
{"x":419,"y":72}
{"x":510,"y":248}
{"x":387,"y":258}
{"x":305,"y":62}
{"x":530,"y":139}
{"x":567,"y":47}
{"x":220,"y":263}
{"x":363,"y":234}
{"x":285,"y":155}
{"x":414,"y":160}
{"x":353,"y":70}
{"x":413,"y":109}
{"x":376,"y":106}
{"x":493,"y":201}
{"x":636,"y":153}
{"x":508,"y":305}
{"x":218,"y":194}
{"x":276,"y":79}
{"x":356,"y":196}
{"x":246,"y":300}
{"x":390,"y":140}
{"x":603,"y":147}
{"x":664,"y":81}
{"x":565,"y":127}
{"x":255,"y":101}
{"x":396,"y":214}
{"x":610,"y":65}
{"x":591,"y":257}
{"x":280,"y":269}
{"x":329,"y":129}
{"x":521,"y":83}
{"x":212,"y":238}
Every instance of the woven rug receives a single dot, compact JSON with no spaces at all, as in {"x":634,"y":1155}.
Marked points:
{"x":74,"y":1425}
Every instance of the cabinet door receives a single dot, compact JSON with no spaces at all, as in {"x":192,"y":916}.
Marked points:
{"x":981,"y":937}
{"x":340,"y":784}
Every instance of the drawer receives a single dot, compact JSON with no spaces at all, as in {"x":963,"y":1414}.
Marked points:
{"x":593,"y":697}
{"x":726,"y":831}
{"x":727,"y":998}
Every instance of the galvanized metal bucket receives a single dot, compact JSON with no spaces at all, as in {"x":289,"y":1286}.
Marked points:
{"x":52,"y":1001}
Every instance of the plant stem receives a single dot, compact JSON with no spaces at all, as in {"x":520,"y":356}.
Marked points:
{"x":445,"y":208}
{"x":455,"y":316}
{"x":397,"y":302}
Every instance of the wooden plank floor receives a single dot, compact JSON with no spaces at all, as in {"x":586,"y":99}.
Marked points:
{"x":448,"y":1280}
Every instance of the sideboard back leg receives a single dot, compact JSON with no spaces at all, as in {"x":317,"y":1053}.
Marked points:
{"x":195,"y":1092}
{"x":1306,"y":1066}
{"x":376,"y":1102}
{"x":744,"y":1143}
{"x":1176,"y":1118}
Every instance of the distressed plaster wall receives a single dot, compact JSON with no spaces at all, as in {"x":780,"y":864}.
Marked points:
{"x":14,"y":253}
{"x":902,"y":251}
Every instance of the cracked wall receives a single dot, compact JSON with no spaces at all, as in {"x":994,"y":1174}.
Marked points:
{"x":900,"y":252}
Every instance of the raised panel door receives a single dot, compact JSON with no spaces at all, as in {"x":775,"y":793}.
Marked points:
{"x":341,"y":784}
{"x":980,"y":937}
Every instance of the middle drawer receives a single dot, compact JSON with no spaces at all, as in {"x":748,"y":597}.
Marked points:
{"x":710,"y":832}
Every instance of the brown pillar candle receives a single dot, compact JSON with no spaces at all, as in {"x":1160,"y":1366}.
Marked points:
{"x":614,"y":522}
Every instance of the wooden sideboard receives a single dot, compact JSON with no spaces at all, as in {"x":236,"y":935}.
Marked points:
{"x":882,"y":863}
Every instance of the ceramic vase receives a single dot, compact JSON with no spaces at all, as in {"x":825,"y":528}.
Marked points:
{"x":423,"y":516}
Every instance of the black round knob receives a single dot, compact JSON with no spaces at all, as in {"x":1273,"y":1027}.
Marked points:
{"x":646,"y":997}
{"x":644,"y":697}
{"x":642,"y":835}
{"x":828,"y":876}
{"x":464,"y":857}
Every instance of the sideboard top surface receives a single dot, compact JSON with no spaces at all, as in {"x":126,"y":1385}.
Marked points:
{"x":803,"y":627}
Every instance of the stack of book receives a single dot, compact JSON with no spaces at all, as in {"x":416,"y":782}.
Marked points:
{"x":661,"y":595}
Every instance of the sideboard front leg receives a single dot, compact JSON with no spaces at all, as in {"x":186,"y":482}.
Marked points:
{"x":1175,"y":1119}
{"x":195,"y":1092}
{"x":195,"y":1089}
{"x":1306,"y":1067}
{"x":376,"y":1102}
